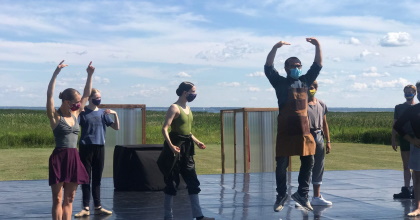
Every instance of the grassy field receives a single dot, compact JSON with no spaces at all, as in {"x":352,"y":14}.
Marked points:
{"x":32,"y":163}
{"x":30,"y":129}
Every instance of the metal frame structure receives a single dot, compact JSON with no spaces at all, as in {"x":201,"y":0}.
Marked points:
{"x":254,"y":137}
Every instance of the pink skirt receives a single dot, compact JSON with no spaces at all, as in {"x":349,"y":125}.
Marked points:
{"x":65,"y":166}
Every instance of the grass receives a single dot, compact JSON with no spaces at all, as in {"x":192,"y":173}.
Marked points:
{"x":32,"y":163}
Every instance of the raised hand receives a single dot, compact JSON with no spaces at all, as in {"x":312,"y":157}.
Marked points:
{"x":90,"y":69}
{"x":280,"y":43}
{"x":313,"y":41}
{"x":60,"y":66}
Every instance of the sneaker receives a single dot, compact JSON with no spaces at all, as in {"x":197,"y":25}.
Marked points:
{"x":84,"y":212}
{"x":102,"y":211}
{"x":304,"y":202}
{"x":320,"y":201}
{"x":279,"y":204}
{"x":404,"y":194}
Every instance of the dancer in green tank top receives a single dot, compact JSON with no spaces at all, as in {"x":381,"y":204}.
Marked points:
{"x":177,"y":156}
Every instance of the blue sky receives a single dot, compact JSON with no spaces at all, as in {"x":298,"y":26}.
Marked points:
{"x":142,"y":50}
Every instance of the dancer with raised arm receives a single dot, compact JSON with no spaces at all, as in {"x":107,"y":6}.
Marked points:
{"x":66,"y":171}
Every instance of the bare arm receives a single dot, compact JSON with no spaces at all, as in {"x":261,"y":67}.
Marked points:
{"x":172,"y":112}
{"x":393,"y":138}
{"x":326,"y":131}
{"x":51,"y":113}
{"x":88,"y":87}
{"x":272,"y":54}
{"x":318,"y":52}
{"x":116,"y":124}
{"x":198,"y":142}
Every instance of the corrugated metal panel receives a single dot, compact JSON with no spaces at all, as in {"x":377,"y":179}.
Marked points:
{"x":130,"y":133}
{"x":229,"y":142}
{"x":239,"y":142}
{"x":262,"y":137}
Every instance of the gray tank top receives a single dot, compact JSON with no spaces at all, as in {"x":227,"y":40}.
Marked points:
{"x":64,"y":135}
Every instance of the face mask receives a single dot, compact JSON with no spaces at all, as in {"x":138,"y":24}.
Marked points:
{"x":191,"y":97}
{"x":75,"y":106}
{"x":409,"y":96}
{"x":312,"y":92}
{"x":295,"y":73}
{"x":96,"y":101}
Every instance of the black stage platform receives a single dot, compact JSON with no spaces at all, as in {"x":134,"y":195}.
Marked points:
{"x":360,"y":194}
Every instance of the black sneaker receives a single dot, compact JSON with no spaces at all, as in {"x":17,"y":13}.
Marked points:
{"x":279,"y":204}
{"x":404,"y":194}
{"x":304,"y":202}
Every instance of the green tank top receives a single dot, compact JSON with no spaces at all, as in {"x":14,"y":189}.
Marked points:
{"x":182,"y":124}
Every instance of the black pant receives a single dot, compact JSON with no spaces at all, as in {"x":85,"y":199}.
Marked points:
{"x":306,"y":165}
{"x":186,"y":167}
{"x":92,"y":157}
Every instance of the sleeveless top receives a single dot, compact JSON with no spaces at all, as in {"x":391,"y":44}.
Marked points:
{"x":182,"y":124}
{"x":64,"y":135}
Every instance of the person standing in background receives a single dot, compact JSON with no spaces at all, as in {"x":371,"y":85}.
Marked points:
{"x":92,"y":150}
{"x":409,"y":94}
{"x":412,"y":115}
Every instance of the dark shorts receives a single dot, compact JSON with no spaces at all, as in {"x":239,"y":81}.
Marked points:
{"x":65,"y":166}
{"x":404,"y":144}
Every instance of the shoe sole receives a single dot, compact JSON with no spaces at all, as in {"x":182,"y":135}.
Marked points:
{"x":278,"y":210}
{"x":303,"y":206}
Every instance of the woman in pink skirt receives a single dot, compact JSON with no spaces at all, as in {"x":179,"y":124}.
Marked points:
{"x":66,"y":171}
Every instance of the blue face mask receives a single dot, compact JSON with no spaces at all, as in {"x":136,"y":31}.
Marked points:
{"x":295,"y":73}
{"x":191,"y":97}
{"x":96,"y":101}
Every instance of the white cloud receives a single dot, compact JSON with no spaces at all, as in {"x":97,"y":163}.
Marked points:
{"x":11,"y":89}
{"x":366,"y":52}
{"x":352,"y":41}
{"x":234,"y":49}
{"x":407,"y":61}
{"x":336,"y":59}
{"x":148,"y":92}
{"x":229,"y":84}
{"x":373,"y":72}
{"x":270,"y":89}
{"x":352,"y":77}
{"x":396,"y":83}
{"x":325,"y":81}
{"x":256,"y":74}
{"x":253,"y":89}
{"x":183,"y":75}
{"x":359,"y":86}
{"x":396,"y":39}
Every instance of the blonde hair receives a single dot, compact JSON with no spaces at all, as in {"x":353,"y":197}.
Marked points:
{"x":411,"y":87}
{"x":93,"y":92}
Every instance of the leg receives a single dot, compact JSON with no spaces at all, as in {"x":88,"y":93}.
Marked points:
{"x":97,"y":169}
{"x":57,"y":197}
{"x":405,"y":156}
{"x":319,"y":160}
{"x":281,"y":174}
{"x":281,"y":178}
{"x":190,"y":176}
{"x":85,"y":153}
{"x":416,"y":175}
{"x":306,"y":165}
{"x":69,"y":194}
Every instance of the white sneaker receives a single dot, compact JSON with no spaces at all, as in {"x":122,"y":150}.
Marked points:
{"x":320,"y":201}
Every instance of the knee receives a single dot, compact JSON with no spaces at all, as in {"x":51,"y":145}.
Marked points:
{"x":57,"y":199}
{"x":68,"y":199}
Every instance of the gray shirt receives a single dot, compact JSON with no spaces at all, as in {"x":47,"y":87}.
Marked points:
{"x":316,"y":115}
{"x":64,"y":135}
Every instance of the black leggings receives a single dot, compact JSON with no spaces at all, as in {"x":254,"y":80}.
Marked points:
{"x":92,"y":157}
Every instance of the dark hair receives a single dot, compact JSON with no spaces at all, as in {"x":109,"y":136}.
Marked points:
{"x":418,"y":85}
{"x":68,"y":94}
{"x":315,"y":84}
{"x":184,"y":86}
{"x":291,"y":60}
{"x":411,"y":87}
